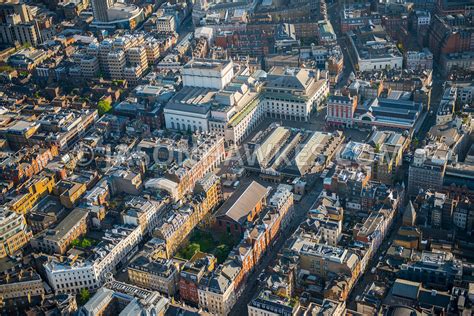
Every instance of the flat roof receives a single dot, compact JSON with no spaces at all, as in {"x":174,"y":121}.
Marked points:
{"x":206,"y":63}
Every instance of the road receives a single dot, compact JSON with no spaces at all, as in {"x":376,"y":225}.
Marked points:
{"x":252,"y":287}
{"x":333,"y":15}
{"x":436,"y":94}
{"x":367,"y":278}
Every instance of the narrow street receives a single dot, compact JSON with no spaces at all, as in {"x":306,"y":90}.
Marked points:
{"x":436,"y":94}
{"x":367,"y":278}
{"x":252,"y":287}
{"x":333,"y":15}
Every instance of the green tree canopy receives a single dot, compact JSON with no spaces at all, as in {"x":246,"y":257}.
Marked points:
{"x":222,"y":251}
{"x":104,"y":106}
{"x":377,"y":148}
{"x":86,"y":243}
{"x":84,"y":296}
{"x":189,"y":251}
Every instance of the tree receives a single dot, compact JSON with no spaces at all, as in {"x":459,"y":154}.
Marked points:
{"x":377,"y":148}
{"x":104,"y":106}
{"x":400,"y":47}
{"x":75,"y":242}
{"x":86,"y":243}
{"x":222,"y":251}
{"x":229,"y":240}
{"x":191,"y":250}
{"x":84,"y":296}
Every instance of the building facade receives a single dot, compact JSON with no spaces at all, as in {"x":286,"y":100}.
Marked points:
{"x":341,"y":110}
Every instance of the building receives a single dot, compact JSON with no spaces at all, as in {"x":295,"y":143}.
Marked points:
{"x":207,"y":73}
{"x":407,"y":297}
{"x":322,"y":260}
{"x":304,"y":152}
{"x":100,"y":8}
{"x":386,"y":156}
{"x":447,"y":105}
{"x":237,"y":109}
{"x":20,"y":284}
{"x":372,"y":50}
{"x":269,"y":304}
{"x":70,"y":192}
{"x":460,"y":62}
{"x":438,"y":208}
{"x":89,"y":66}
{"x":419,"y":60}
{"x":166,"y":24}
{"x":348,"y":182}
{"x":191,"y":274}
{"x":282,"y":201}
{"x":58,"y":239}
{"x":326,"y":34}
{"x":17,"y":25}
{"x":242,"y":123}
{"x":294,"y":93}
{"x":122,"y":57}
{"x":217,"y":292}
{"x":143,"y":213}
{"x":27,"y":58}
{"x":433,"y":269}
{"x":31,"y":192}
{"x":189,"y":109}
{"x":45,"y":214}
{"x":186,"y":161}
{"x":396,"y":114}
{"x":463,"y":215}
{"x":450,"y":34}
{"x":111,"y":14}
{"x":125,"y":181}
{"x":243,"y":206}
{"x":357,"y":14}
{"x":341,"y":109}
{"x":14,"y":232}
{"x":372,"y":231}
{"x":90,"y":270}
{"x":158,"y":274}
{"x":124,"y":299}
{"x":409,"y":215}
{"x":179,"y":223}
{"x":427,"y":170}
{"x":90,"y":273}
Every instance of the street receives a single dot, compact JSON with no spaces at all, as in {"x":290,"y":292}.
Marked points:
{"x":436,"y":94}
{"x":252,"y":287}
{"x":333,"y":14}
{"x":367,"y":278}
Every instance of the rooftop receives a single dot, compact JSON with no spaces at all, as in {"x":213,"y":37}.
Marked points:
{"x":65,"y":226}
{"x":243,"y":201}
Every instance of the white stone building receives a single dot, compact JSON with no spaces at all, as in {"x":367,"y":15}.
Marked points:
{"x":208,"y":73}
{"x":373,"y":50}
{"x":70,"y":276}
{"x":294,"y":93}
{"x":419,"y":60}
